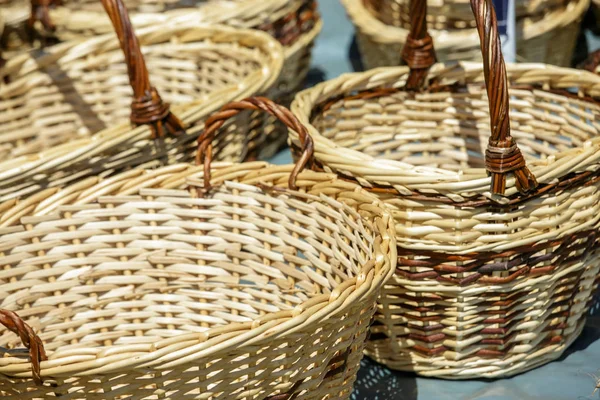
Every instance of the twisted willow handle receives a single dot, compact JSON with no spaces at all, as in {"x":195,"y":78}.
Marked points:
{"x":40,"y":11}
{"x":32,"y":341}
{"x":418,"y":52}
{"x":502,"y":155}
{"x":147,"y":106}
{"x":216,"y":121}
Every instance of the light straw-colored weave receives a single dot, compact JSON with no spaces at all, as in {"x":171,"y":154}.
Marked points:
{"x":548,"y":38}
{"x":483,"y":288}
{"x":54,"y":105}
{"x":140,"y":288}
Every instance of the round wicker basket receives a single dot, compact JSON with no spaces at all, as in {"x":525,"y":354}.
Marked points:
{"x":68,"y":111}
{"x":539,"y":36}
{"x":146,"y":285}
{"x":498,"y":245}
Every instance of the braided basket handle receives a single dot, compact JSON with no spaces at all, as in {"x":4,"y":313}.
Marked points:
{"x":216,"y":121}
{"x":502,"y":155}
{"x":40,"y":11}
{"x":30,"y":340}
{"x":147,"y":106}
{"x":418,"y":52}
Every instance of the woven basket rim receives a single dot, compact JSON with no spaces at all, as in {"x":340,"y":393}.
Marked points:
{"x":177,"y":350}
{"x":367,"y":24}
{"x":373,"y":171}
{"x":71,"y":152}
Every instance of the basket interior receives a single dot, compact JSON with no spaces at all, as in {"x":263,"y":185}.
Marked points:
{"x":450,"y":129}
{"x":160,"y":263}
{"x":77,"y":98}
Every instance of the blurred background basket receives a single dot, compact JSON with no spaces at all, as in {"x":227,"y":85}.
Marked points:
{"x":254,"y":288}
{"x":496,"y":271}
{"x":66,"y":114}
{"x":547,"y":31}
{"x":294,"y":23}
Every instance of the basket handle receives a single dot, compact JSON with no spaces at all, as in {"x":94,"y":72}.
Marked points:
{"x":418,"y":52}
{"x":502,"y":155}
{"x":40,"y":11}
{"x":30,"y":340}
{"x":216,"y":121}
{"x":147,"y":106}
{"x":591,"y":62}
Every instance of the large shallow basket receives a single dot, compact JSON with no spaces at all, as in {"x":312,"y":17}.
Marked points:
{"x":69,"y":111}
{"x":145,"y":285}
{"x":489,"y":282}
{"x":539,"y":35}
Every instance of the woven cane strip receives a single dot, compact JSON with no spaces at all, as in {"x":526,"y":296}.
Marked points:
{"x":540,"y":35}
{"x":55,"y":104}
{"x":251,"y":290}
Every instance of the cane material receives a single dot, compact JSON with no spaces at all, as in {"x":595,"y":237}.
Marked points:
{"x":540,"y":34}
{"x":140,"y":287}
{"x":486,"y":285}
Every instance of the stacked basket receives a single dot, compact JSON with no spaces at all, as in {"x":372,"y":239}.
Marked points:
{"x":489,"y":282}
{"x":258,"y":282}
{"x":69,"y":110}
{"x":382,"y":27}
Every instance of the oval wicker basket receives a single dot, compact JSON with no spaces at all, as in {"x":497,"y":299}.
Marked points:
{"x":294,"y":23}
{"x":69,"y":109}
{"x":146,"y":285}
{"x":487,"y":285}
{"x":539,"y":36}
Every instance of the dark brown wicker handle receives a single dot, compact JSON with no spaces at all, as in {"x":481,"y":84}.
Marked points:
{"x":216,"y":121}
{"x":341,"y":359}
{"x":502,"y":155}
{"x":591,"y":62}
{"x":147,"y":107}
{"x":418,"y":52}
{"x":40,"y":11}
{"x":30,"y":340}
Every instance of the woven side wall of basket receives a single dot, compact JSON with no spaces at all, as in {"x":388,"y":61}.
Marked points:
{"x":54,"y":105}
{"x":139,"y":287}
{"x":487,"y":285}
{"x":381,"y":44}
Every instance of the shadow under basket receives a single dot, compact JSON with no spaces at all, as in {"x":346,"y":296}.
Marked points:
{"x":486,"y":286}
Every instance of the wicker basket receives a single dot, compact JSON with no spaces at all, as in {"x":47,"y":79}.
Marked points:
{"x":54,"y":105}
{"x":539,"y":35}
{"x":294,"y":23}
{"x":487,"y":284}
{"x":145,"y":285}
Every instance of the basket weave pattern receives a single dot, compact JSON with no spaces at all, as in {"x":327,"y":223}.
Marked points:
{"x":136,"y":286}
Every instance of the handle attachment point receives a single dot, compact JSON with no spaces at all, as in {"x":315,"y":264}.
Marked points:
{"x":30,"y":340}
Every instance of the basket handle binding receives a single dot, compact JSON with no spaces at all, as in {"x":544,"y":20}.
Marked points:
{"x":147,"y":106}
{"x":32,"y":341}
{"x":216,"y":121}
{"x":502,"y":155}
